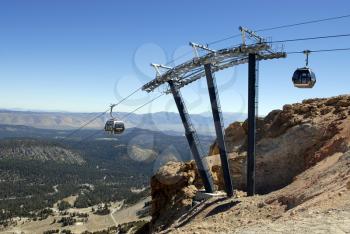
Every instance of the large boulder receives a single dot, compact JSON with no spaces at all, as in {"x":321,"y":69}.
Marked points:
{"x":173,"y":188}
{"x":234,"y":138}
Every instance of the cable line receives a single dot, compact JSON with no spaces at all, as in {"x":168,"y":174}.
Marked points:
{"x":103,"y":113}
{"x":263,"y":30}
{"x":135,"y":91}
{"x":142,"y":106}
{"x":231,"y":37}
{"x":279,"y":41}
{"x":282,"y":26}
{"x":89,"y":136}
{"x":179,"y":57}
{"x":303,"y":23}
{"x":123,"y":118}
{"x":87,"y":123}
{"x":136,"y":109}
{"x":299,"y":39}
{"x":310,"y":38}
{"x":224,"y":39}
{"x":319,"y":51}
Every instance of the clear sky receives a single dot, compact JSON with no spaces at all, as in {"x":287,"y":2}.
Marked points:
{"x":82,"y":55}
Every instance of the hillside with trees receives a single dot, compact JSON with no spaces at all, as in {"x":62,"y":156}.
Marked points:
{"x":37,"y":172}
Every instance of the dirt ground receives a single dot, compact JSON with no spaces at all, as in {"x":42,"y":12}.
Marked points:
{"x":318,"y":201}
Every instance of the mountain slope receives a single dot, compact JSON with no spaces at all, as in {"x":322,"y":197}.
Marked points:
{"x":302,"y":167}
{"x":30,"y":149}
{"x":36,"y":172}
{"x":318,"y":201}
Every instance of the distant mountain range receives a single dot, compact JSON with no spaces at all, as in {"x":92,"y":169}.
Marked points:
{"x":159,"y":121}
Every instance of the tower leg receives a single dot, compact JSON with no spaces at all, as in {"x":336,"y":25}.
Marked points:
{"x":219,"y":127}
{"x":193,"y":141}
{"x":251,"y":124}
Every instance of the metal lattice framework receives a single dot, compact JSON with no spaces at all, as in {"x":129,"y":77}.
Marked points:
{"x":193,"y":69}
{"x":205,"y":65}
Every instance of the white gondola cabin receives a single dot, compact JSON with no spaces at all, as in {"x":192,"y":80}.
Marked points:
{"x":113,"y":125}
{"x":304,"y":77}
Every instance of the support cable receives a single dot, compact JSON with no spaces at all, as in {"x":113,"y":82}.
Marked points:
{"x":319,"y":51}
{"x":86,"y":123}
{"x":282,"y":26}
{"x":237,"y":35}
{"x":123,"y":118}
{"x":311,"y":38}
{"x":101,"y":114}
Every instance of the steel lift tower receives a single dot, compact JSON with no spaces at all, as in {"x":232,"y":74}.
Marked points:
{"x":205,"y":66}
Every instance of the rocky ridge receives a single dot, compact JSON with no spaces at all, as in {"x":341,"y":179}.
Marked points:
{"x":302,"y":155}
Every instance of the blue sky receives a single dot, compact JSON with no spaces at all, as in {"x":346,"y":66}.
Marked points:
{"x":83,"y":55}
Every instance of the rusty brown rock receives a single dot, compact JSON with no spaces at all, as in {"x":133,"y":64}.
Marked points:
{"x":326,"y":110}
{"x":234,"y":137}
{"x":343,"y":103}
{"x":173,"y":188}
{"x":289,"y":141}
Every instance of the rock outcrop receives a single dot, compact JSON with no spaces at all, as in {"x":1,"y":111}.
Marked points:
{"x":317,"y":201}
{"x":173,"y":189}
{"x":289,"y":141}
